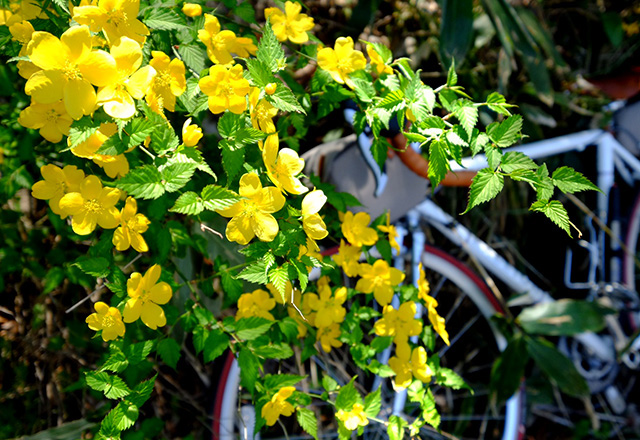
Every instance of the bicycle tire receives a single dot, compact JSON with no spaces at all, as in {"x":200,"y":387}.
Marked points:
{"x":629,"y":268}
{"x":444,"y":273}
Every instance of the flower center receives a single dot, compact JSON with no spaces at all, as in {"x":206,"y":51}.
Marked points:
{"x":108,"y":321}
{"x":163,"y":80}
{"x":226,"y":89}
{"x":52,"y":116}
{"x":71,"y":71}
{"x":131,"y":224}
{"x":250,"y":208}
{"x":117,"y":17}
{"x":92,"y":206}
{"x":344,"y":65}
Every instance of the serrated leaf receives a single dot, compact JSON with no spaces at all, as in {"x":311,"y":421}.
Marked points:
{"x":82,"y":130}
{"x":95,"y":266}
{"x":188,"y":203}
{"x":274,"y":382}
{"x":255,"y":273}
{"x":260,"y":74}
{"x":516,"y":160}
{"x":438,"y":162}
{"x":250,"y":328}
{"x":217,"y":197}
{"x":229,"y":124}
{"x":484,"y":187}
{"x":232,"y":158}
{"x":141,"y":392}
{"x":138,"y":352}
{"x":200,"y":335}
{"x":112,"y":386}
{"x":144,"y":182}
{"x":497,"y":103}
{"x":116,"y":362}
{"x":270,"y":52}
{"x":215,"y":344}
{"x":164,"y":19}
{"x":249,"y":136}
{"x":507,"y":132}
{"x":450,"y":379}
{"x":429,"y":410}
{"x":467,"y":114}
{"x":177,"y":175}
{"x":392,"y":101}
{"x":249,"y":368}
{"x":452,"y":76}
{"x":169,"y":351}
{"x":308,"y":421}
{"x":554,"y":210}
{"x":281,"y":350}
{"x":129,"y":415}
{"x":284,"y":99}
{"x":455,"y":139}
{"x":194,"y":156}
{"x":395,"y":427}
{"x":347,"y":397}
{"x":329,"y":383}
{"x":194,"y":57}
{"x":164,"y":139}
{"x":109,"y":426}
{"x":373,"y":403}
{"x":570,"y":181}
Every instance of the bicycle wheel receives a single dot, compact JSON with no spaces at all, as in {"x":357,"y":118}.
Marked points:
{"x":467,"y":304}
{"x":630,"y":270}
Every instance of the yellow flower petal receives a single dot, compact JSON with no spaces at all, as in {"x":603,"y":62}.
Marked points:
{"x":79,"y":98}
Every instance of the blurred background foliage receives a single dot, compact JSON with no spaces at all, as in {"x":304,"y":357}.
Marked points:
{"x":539,"y":54}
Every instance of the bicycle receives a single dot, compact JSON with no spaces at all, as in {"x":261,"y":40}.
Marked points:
{"x":473,"y":294}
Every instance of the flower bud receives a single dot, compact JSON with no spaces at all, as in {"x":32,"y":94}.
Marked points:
{"x":191,"y":134}
{"x":192,"y":9}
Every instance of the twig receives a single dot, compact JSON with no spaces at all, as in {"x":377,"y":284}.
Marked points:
{"x":204,"y":228}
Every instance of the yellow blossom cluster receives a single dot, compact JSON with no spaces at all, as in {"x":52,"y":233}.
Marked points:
{"x":278,"y":406}
{"x":328,"y":313}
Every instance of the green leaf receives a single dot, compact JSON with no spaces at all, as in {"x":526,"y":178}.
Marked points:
{"x":270,"y":52}
{"x":164,"y":139}
{"x":364,"y":89}
{"x":515,"y":160}
{"x":82,"y":130}
{"x":249,"y":136}
{"x":245,"y":11}
{"x":248,"y":329}
{"x":307,"y":420}
{"x":570,"y":181}
{"x":612,"y":22}
{"x":177,"y":175}
{"x":116,"y":362}
{"x":451,"y":379}
{"x":144,"y":182}
{"x":456,"y":31}
{"x":284,"y":99}
{"x":274,"y":351}
{"x":194,"y":57}
{"x":260,"y":74}
{"x":455,"y":139}
{"x":497,"y":103}
{"x":554,"y":210}
{"x":215,"y":344}
{"x":109,"y":427}
{"x":188,"y":203}
{"x":484,"y":187}
{"x":164,"y":19}
{"x":395,"y":428}
{"x":96,"y":266}
{"x":429,"y":410}
{"x":467,"y":114}
{"x":508,"y":370}
{"x":142,"y":392}
{"x":128,"y":415}
{"x":278,"y":277}
{"x":379,"y":148}
{"x":507,"y":132}
{"x":229,"y":124}
{"x":138,"y":352}
{"x":392,"y":101}
{"x":169,"y":351}
{"x":347,"y":397}
{"x":193,"y":156}
{"x":373,"y":403}
{"x":452,"y":76}
{"x":217,"y":197}
{"x":255,"y":273}
{"x":232,"y":158}
{"x":329,"y":384}
{"x":557,"y":367}
{"x":249,"y":369}
{"x":112,"y":386}
{"x":564,"y":317}
{"x":438,"y":162}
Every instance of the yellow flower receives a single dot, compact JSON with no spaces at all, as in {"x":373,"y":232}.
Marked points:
{"x":128,"y":83}
{"x":278,"y":406}
{"x":348,"y":258}
{"x":168,"y":82}
{"x":107,"y":319}
{"x":221,"y":44}
{"x":283,"y":166}
{"x":51,"y":119}
{"x":57,"y":182}
{"x":257,"y":303}
{"x":20,"y":10}
{"x":145,"y":297}
{"x":401,"y":323}
{"x":291,"y":24}
{"x":328,"y":306}
{"x":436,"y":320}
{"x":251,"y":216}
{"x":312,"y":223}
{"x":226,"y":88}
{"x":114,"y":166}
{"x":355,"y":229}
{"x":117,"y":18}
{"x":377,"y":62}
{"x":407,"y":363}
{"x":262,"y":112}
{"x":191,"y":134}
{"x":22,"y":32}
{"x":192,"y":9}
{"x":92,"y":205}
{"x":354,"y":418}
{"x":379,"y":279}
{"x":342,"y":60}
{"x":328,"y":337}
{"x":310,"y":249}
{"x":132,"y":226}
{"x":69,"y":69}
{"x":393,"y":234}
